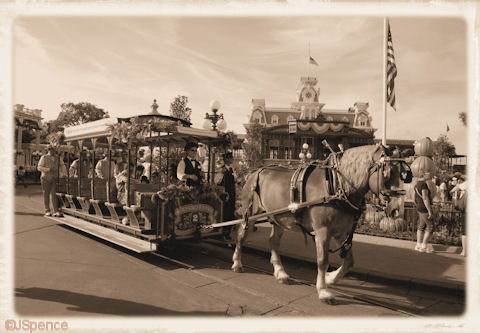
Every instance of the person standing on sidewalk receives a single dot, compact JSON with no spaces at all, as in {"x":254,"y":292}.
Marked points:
{"x":21,"y":176}
{"x":423,"y":203}
{"x":48,"y":166}
{"x":228,"y":182}
{"x":460,"y":202}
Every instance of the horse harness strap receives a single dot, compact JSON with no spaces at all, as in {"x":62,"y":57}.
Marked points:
{"x":298,"y":182}
{"x":333,"y":184}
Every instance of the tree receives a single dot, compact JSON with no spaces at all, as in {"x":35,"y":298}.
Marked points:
{"x":179,"y":108}
{"x":463,"y":118}
{"x":74,"y":114}
{"x":252,"y":147}
{"x":443,"y":149}
{"x":252,"y":152}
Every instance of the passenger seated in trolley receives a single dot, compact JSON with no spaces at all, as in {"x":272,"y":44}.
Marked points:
{"x":139,"y":172}
{"x":189,"y":168}
{"x":101,"y":169}
{"x":156,"y":179}
{"x":121,"y":180}
{"x":86,"y":168}
{"x":202,"y":153}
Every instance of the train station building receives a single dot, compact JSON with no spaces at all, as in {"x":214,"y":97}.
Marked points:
{"x":307,"y":120}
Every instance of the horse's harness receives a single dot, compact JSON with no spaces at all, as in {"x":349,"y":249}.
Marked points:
{"x":335,"y":181}
{"x":335,"y":187}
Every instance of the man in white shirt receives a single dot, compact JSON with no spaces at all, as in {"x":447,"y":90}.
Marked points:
{"x":189,"y":168}
{"x":101,"y":169}
{"x":48,"y":166}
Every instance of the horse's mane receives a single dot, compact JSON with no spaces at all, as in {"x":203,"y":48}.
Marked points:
{"x":354,"y":165}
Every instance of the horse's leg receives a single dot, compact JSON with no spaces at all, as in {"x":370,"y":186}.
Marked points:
{"x":347,"y":262}
{"x":242,"y":232}
{"x":322,"y":244}
{"x":332,"y":277}
{"x":274,"y":241}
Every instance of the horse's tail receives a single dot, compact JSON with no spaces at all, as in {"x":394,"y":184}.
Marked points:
{"x":251,"y":195}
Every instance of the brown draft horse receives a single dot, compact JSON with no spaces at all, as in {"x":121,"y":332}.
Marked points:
{"x":360,"y":169}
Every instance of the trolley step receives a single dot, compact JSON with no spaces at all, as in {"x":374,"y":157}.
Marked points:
{"x":110,"y":235}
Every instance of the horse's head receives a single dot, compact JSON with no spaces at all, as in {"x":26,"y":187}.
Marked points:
{"x":386,"y":174}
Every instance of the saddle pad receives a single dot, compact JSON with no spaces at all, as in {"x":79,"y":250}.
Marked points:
{"x":299,"y":180}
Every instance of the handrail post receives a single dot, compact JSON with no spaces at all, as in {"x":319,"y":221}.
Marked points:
{"x":129,"y":157}
{"x":108,"y":184}
{"x":68,"y":167}
{"x":92,"y":186}
{"x":80,"y":162}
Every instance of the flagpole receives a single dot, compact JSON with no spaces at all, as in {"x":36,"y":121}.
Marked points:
{"x":308,"y":62}
{"x":384,"y":98}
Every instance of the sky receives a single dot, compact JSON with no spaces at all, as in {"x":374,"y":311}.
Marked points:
{"x":122,"y":63}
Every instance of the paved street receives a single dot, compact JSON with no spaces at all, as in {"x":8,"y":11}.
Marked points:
{"x":61,"y":272}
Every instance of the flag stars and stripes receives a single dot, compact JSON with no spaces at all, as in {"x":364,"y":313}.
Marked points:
{"x":391,"y":71}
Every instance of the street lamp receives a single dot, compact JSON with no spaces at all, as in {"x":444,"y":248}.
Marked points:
{"x":305,"y":154}
{"x":214,"y":121}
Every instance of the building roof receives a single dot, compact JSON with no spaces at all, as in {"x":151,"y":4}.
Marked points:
{"x":396,"y":142}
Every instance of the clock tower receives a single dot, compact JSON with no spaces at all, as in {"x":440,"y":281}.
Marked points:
{"x":307,"y":99}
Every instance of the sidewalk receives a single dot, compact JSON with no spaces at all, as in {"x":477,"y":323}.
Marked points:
{"x":381,"y":258}
{"x":376,"y":258}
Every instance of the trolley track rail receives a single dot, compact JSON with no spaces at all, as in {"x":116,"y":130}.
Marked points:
{"x":363,"y":299}
{"x":338,"y":290}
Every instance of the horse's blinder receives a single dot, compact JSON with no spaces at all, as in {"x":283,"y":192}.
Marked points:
{"x":386,"y":167}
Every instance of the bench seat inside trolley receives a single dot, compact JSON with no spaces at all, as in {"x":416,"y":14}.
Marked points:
{"x":141,"y":214}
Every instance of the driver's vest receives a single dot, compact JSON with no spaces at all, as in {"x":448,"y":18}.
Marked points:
{"x":192,"y":169}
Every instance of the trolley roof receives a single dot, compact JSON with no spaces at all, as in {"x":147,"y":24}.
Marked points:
{"x":103,"y":129}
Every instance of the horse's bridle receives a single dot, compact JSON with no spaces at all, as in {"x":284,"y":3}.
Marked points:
{"x":384,"y":167}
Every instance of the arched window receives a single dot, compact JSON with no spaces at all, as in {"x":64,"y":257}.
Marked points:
{"x":290,"y":118}
{"x":362,"y":121}
{"x":257,"y":117}
{"x":274,"y":119}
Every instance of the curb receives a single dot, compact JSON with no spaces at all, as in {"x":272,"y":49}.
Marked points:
{"x":366,"y":275}
{"x":402,"y":243}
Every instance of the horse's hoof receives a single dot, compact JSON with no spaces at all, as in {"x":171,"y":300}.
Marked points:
{"x":237,"y":269}
{"x":330,"y":301}
{"x":284,"y":280}
{"x":327,"y":297}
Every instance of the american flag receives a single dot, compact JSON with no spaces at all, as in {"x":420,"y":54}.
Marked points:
{"x":391,"y":71}
{"x":313,"y":62}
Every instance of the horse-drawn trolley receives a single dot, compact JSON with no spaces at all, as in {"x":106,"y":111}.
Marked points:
{"x":136,"y":201}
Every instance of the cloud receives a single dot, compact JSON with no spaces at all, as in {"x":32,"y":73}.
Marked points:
{"x":123,"y":63}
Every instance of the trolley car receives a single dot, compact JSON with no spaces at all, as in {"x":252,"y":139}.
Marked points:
{"x":152,"y":214}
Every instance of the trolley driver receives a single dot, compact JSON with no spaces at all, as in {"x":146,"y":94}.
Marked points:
{"x":189,"y":168}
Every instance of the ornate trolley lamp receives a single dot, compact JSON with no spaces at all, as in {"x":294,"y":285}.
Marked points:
{"x":215,"y":120}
